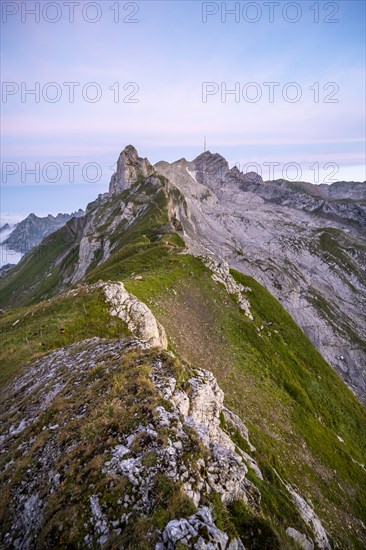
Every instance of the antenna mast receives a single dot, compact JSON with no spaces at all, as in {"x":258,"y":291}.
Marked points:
{"x":204,"y":144}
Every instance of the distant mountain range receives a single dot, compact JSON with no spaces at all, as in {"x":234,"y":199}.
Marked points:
{"x":33,"y":229}
{"x":5,"y":227}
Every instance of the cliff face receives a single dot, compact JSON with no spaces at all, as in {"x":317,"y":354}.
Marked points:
{"x":305,"y":243}
{"x":130,"y":167}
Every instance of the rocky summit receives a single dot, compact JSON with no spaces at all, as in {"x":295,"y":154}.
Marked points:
{"x":183,"y":366}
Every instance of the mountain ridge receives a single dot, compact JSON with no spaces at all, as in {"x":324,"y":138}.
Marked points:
{"x":79,"y":377}
{"x":308,"y":252}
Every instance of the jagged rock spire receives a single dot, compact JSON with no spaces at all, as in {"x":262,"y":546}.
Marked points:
{"x":129,"y":167}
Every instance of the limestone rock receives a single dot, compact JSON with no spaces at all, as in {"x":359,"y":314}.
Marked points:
{"x":200,"y":408}
{"x":302,"y":539}
{"x":303,"y":242}
{"x":252,"y":177}
{"x":221,"y":274}
{"x":139,"y":318}
{"x":309,"y":516}
{"x":88,"y":247}
{"x":129,"y":168}
{"x":198,"y":532}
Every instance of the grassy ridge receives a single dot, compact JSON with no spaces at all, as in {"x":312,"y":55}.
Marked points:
{"x":303,"y":419}
{"x":28,"y":333}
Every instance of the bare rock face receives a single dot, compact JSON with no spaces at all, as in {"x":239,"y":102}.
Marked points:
{"x":303,"y":242}
{"x":139,"y":318}
{"x":129,"y":168}
{"x":211,"y":169}
{"x":252,"y":177}
{"x":87,"y":249}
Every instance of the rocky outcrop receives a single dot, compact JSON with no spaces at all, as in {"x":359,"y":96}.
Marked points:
{"x":221,"y":274}
{"x":138,"y":317}
{"x":129,"y":168}
{"x":211,"y":169}
{"x":188,"y":532}
{"x":180,"y":442}
{"x":199,"y":408}
{"x":88,"y":247}
{"x":300,"y":538}
{"x":251,"y":177}
{"x":310,"y":518}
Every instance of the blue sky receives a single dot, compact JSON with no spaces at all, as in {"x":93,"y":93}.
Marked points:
{"x":169,"y":53}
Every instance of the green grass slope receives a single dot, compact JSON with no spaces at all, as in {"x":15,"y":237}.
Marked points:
{"x":31,"y":332}
{"x":305,"y":422}
{"x":39,"y":274}
{"x":42,"y":274}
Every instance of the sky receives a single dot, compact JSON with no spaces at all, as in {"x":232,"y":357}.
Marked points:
{"x":276,"y":87}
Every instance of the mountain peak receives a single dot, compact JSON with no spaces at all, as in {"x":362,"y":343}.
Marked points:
{"x":130,"y":152}
{"x":211,"y":168}
{"x":207,"y":156}
{"x":129,"y":168}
